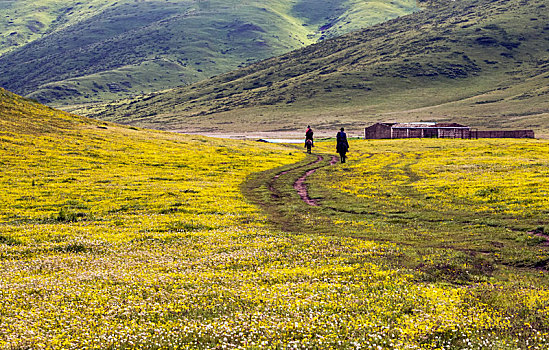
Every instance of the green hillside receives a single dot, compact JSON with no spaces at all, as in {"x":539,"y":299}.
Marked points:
{"x":483,"y":63}
{"x":22,"y":22}
{"x":71,"y":52}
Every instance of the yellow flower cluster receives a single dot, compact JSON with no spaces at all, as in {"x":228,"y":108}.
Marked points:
{"x":490,"y":176}
{"x":450,"y":197}
{"x":122,"y":238}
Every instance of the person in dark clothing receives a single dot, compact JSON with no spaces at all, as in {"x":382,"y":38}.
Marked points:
{"x":309,"y":133}
{"x":309,"y":138}
{"x":342,"y":145}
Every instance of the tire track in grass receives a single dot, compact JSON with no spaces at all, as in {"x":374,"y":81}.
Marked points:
{"x":301,"y":187}
{"x":274,"y":192}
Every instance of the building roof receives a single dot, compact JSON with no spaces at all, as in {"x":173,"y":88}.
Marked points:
{"x":427,"y":125}
{"x":414,"y":125}
{"x":450,"y":125}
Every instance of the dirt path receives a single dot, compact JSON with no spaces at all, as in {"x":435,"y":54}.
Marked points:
{"x":301,"y":187}
{"x":274,"y":192}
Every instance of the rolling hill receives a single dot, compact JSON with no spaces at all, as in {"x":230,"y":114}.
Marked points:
{"x":25,"y":21}
{"x":70,"y":52}
{"x":480,"y":62}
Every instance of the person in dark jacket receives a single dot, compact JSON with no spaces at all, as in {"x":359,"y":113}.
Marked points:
{"x":342,"y":145}
{"x":309,"y":138}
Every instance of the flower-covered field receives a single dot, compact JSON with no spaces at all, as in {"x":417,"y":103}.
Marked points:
{"x":473,"y":188}
{"x":472,"y":213}
{"x":489,"y":176}
{"x":122,"y":238}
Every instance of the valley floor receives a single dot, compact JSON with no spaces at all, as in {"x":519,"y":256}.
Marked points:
{"x":118,"y":237}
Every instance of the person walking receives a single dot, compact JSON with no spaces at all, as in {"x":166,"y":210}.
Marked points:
{"x":309,"y":138}
{"x":342,"y":146}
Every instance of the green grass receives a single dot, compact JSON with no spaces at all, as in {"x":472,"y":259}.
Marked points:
{"x":487,"y":224}
{"x":100,"y":50}
{"x":464,"y":213}
{"x":482,"y":63}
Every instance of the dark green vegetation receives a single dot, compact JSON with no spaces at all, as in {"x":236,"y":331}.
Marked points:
{"x":69,"y":52}
{"x":482,"y":63}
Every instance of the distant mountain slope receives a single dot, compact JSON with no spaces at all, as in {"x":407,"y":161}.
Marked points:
{"x":480,"y":62}
{"x":75,"y":52}
{"x":22,"y":22}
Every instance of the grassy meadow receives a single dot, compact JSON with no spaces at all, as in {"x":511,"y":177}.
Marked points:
{"x":469,"y":219}
{"x":486,"y":200}
{"x":121,"y":238}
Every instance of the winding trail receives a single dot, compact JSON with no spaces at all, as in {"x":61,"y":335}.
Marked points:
{"x":300,"y":185}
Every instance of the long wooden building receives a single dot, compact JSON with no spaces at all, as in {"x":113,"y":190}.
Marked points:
{"x":437,"y":130}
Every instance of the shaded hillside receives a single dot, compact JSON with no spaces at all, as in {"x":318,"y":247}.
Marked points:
{"x":104,"y":52}
{"x":480,"y":62}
